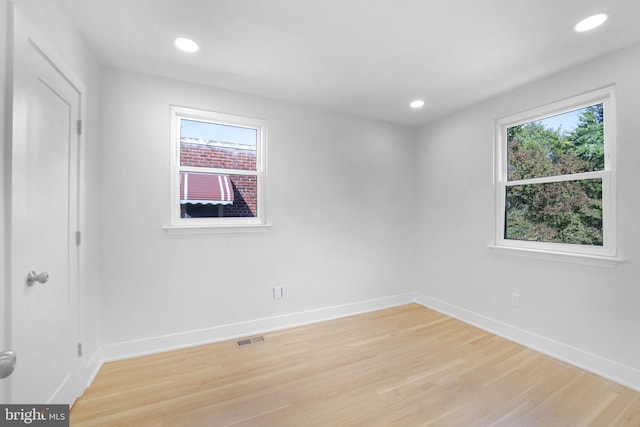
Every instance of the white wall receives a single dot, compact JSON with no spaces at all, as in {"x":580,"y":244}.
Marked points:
{"x":591,"y":309}
{"x":340,"y":199}
{"x":53,"y":26}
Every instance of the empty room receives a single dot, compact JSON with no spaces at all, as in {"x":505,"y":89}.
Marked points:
{"x":320,"y":213}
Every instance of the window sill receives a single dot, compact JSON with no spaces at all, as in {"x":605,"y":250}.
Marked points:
{"x":585,"y":259}
{"x":216,"y":229}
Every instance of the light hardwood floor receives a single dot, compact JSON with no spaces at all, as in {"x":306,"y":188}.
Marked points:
{"x":405,"y":366}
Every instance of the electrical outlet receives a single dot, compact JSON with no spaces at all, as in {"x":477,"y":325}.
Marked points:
{"x":277,"y":292}
{"x":515,"y":300}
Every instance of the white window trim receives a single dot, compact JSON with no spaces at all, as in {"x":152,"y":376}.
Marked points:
{"x":178,"y":225}
{"x":595,"y":255}
{"x":216,"y":229}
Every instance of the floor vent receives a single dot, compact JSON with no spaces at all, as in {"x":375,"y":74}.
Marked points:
{"x":253,"y":340}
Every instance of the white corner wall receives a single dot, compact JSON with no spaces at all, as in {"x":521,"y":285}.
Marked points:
{"x":340,"y":200}
{"x":583,"y":314}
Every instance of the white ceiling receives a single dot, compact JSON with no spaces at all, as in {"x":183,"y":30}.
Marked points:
{"x":364,"y":57}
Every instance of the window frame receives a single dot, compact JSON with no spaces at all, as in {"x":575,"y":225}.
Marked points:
{"x":605,"y":96}
{"x":260,"y":125}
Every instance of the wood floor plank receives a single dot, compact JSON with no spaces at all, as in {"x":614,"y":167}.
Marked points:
{"x":404,"y":366}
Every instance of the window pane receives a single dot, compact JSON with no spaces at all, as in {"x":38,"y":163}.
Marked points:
{"x":567,"y":143}
{"x":559,"y":212}
{"x":213,"y":145}
{"x":218,"y":196}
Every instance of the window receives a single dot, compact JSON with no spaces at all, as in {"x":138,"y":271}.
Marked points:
{"x":218,"y":174}
{"x":555,"y":177}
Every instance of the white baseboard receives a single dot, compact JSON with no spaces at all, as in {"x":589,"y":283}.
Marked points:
{"x":580,"y":358}
{"x":125,"y":350}
{"x":92,"y":368}
{"x":614,"y":371}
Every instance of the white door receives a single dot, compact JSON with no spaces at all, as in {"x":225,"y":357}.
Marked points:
{"x":44,"y":218}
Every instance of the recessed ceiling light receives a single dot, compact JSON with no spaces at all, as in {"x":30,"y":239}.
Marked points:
{"x":418,"y":103}
{"x":590,"y":23}
{"x":186,"y":45}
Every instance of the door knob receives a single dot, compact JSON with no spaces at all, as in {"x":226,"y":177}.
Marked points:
{"x":32,"y":278}
{"x":7,"y":363}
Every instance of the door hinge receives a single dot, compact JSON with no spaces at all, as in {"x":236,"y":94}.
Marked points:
{"x":78,"y":238}
{"x":79,"y":349}
{"x":79,"y":127}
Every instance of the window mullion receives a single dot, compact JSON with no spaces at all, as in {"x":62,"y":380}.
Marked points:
{"x":558,"y":178}
{"x":218,"y":170}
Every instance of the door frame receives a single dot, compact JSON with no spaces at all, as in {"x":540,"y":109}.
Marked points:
{"x":20,"y":23}
{"x":6,"y":101}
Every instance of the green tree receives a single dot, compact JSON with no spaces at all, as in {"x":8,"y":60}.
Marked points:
{"x":535,"y":136}
{"x":587,"y":140}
